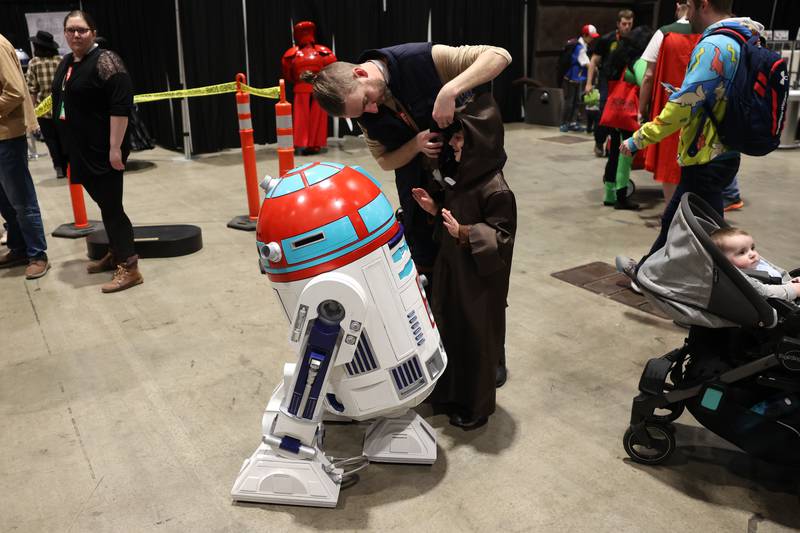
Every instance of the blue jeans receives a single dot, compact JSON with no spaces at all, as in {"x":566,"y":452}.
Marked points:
{"x":18,"y":204}
{"x":731,"y":192}
{"x":707,"y":181}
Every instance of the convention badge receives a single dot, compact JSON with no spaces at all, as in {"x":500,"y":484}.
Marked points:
{"x":61,"y":113}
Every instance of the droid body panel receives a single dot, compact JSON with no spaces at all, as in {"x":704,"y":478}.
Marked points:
{"x":365,"y":340}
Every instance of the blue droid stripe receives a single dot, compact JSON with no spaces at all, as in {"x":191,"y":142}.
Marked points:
{"x":355,"y":246}
{"x":376,"y":213}
{"x":319,"y":173}
{"x":319,"y":241}
{"x":367,"y":174}
{"x":407,"y":269}
{"x":288,"y":186}
{"x":398,"y":254}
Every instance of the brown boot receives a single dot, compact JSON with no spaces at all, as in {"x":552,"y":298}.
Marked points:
{"x":37,"y":268}
{"x":106,"y":264}
{"x":126,"y":276}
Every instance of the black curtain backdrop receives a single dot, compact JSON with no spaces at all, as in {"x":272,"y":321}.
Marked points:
{"x":498,"y":23}
{"x":213,"y":52}
{"x":787,"y":13}
{"x":143,"y":33}
{"x":268,"y":37}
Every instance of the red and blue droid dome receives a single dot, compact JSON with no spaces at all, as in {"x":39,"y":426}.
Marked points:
{"x":319,"y":217}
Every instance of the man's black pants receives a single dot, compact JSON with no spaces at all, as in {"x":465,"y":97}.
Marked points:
{"x":706,"y":181}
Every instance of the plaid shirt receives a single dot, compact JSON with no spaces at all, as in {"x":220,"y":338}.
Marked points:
{"x":41,"y":71}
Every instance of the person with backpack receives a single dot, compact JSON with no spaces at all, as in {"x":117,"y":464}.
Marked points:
{"x":572,"y":69}
{"x":731,"y":101}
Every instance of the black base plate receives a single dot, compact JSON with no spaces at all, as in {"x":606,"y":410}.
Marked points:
{"x":243,"y":223}
{"x":152,"y":241}
{"x":69,"y":231}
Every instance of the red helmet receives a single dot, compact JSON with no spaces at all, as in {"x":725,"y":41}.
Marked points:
{"x":304,"y":33}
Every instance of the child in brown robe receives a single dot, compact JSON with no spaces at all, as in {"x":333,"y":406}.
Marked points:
{"x":477,"y":221}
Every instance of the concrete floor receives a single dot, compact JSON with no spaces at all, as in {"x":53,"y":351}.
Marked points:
{"x":134,"y":411}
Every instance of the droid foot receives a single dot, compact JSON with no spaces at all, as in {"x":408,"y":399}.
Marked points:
{"x":406,"y":439}
{"x":269,"y":478}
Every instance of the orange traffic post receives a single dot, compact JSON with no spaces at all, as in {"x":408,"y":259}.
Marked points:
{"x":82,"y":225}
{"x":246,"y":222}
{"x":283,"y":126}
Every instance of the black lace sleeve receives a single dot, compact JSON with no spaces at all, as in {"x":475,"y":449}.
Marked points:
{"x":117,"y":83}
{"x":109,"y":64}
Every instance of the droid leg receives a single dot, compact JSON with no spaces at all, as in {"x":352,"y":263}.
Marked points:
{"x":405,"y":439}
{"x":289,"y":466}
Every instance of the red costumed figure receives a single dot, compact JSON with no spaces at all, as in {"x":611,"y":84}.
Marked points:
{"x":673,"y":58}
{"x":310,"y":121}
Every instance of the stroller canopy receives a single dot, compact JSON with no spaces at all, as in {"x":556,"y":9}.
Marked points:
{"x":692,"y":281}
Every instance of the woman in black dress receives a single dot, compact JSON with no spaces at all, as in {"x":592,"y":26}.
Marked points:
{"x":92,"y":100}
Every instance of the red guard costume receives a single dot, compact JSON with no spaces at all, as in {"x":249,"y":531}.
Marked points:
{"x":310,"y":121}
{"x":673,"y":58}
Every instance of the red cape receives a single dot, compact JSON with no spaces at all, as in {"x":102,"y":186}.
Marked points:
{"x":673,"y":59}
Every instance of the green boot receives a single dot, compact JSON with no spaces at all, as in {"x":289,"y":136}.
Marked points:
{"x":623,"y":177}
{"x":611,"y":193}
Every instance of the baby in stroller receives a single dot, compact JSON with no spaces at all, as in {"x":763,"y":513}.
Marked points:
{"x":739,"y":247}
{"x":738,"y":372}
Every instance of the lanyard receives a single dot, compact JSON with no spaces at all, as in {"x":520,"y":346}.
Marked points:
{"x":62,"y":115}
{"x":405,"y":117}
{"x":66,"y":78}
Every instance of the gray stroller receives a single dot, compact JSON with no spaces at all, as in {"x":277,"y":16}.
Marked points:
{"x":738,"y":372}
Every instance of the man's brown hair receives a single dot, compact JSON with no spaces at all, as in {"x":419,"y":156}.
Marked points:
{"x":723,"y":233}
{"x":332,"y":85}
{"x":720,"y":6}
{"x":624,"y":14}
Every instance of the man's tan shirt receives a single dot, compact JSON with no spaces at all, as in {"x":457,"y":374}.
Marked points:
{"x":16,"y":107}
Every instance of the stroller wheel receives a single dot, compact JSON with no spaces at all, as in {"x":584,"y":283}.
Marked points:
{"x":651,"y":444}
{"x":631,"y":188}
{"x":672,"y":413}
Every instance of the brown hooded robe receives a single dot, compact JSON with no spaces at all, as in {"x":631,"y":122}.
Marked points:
{"x":472,"y":272}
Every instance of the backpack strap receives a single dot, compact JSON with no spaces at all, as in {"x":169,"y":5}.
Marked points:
{"x":733,"y":33}
{"x":739,"y":37}
{"x":729,"y":32}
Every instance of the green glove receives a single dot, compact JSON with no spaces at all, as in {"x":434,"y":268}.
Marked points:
{"x":592,"y":98}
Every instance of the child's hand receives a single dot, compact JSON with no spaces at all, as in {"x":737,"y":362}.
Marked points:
{"x":450,"y":223}
{"x":425,"y":201}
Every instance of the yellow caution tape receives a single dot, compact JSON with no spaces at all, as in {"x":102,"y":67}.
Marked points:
{"x":271,"y":92}
{"x":44,"y":106}
{"x":187,"y":93}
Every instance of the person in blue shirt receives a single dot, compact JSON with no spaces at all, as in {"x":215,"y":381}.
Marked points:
{"x":575,"y":78}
